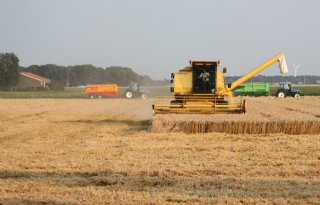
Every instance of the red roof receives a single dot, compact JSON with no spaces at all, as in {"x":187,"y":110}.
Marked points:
{"x":34,"y":76}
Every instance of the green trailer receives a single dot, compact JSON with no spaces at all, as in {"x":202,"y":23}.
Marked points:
{"x":252,"y":89}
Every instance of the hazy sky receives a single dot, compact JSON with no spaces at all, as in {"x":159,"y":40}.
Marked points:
{"x":159,"y":37}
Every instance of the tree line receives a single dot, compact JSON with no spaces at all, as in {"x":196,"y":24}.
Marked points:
{"x":89,"y":74}
{"x":79,"y":75}
{"x":76,"y":75}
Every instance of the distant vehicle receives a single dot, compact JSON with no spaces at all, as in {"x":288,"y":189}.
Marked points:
{"x":101,"y":91}
{"x":134,"y":91}
{"x":286,"y":89}
{"x":112,"y":90}
{"x":252,"y":89}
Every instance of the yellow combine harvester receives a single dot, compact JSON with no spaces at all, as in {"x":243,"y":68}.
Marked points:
{"x":200,"y":88}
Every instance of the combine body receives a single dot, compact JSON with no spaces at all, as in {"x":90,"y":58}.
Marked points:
{"x":200,"y":88}
{"x":101,"y":91}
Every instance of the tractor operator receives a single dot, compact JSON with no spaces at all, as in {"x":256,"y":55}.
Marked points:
{"x":205,"y":76}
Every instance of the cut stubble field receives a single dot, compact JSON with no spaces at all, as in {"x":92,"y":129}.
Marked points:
{"x":81,"y":151}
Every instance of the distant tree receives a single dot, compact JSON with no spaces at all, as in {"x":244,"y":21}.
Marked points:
{"x":145,"y":80}
{"x":9,"y":70}
{"x":121,"y":75}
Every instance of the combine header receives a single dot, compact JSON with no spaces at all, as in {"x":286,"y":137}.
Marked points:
{"x":200,"y":88}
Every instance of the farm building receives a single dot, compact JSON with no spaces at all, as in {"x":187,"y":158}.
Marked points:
{"x":30,"y":81}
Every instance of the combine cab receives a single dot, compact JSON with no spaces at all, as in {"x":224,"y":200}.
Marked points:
{"x":200,"y":88}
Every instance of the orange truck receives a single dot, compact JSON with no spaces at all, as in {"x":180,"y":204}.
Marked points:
{"x":101,"y":91}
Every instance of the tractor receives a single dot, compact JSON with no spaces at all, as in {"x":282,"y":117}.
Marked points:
{"x":285,"y":89}
{"x":134,"y":91}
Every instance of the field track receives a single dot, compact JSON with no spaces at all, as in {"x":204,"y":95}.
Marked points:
{"x":81,"y":151}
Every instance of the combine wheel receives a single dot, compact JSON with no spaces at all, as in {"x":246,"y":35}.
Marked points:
{"x":297,"y":95}
{"x":144,"y":96}
{"x":100,"y":96}
{"x":129,"y":94}
{"x":281,"y":94}
{"x":92,"y":96}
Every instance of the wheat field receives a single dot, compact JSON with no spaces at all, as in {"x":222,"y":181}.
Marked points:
{"x":265,"y":115}
{"x":55,"y":151}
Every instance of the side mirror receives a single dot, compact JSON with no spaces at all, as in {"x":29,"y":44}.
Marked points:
{"x":224,"y":70}
{"x":172,"y":75}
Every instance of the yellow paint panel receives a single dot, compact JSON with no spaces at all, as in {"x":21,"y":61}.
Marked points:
{"x":219,"y":81}
{"x":183,"y":83}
